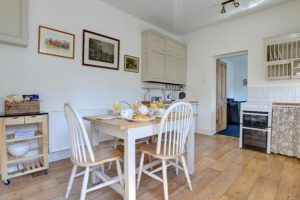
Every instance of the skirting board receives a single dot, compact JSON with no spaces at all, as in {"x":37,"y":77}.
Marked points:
{"x":60,"y":155}
{"x":64,"y":154}
{"x":205,"y":131}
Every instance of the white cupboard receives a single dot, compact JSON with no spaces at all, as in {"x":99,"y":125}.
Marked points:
{"x":14,"y":22}
{"x":163,"y":59}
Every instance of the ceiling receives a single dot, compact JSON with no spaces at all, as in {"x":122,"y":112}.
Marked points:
{"x":184,"y":16}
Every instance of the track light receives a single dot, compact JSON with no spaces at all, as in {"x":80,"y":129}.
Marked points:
{"x":235,"y":3}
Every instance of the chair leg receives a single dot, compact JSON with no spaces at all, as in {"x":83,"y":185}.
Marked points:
{"x":120,"y":174}
{"x":109,"y":166}
{"x":177,"y":170}
{"x":115,"y":141}
{"x":102,"y":168}
{"x":85,"y":183}
{"x":186,"y":172}
{"x":165,"y":179}
{"x":72,"y":177}
{"x":140,"y":170}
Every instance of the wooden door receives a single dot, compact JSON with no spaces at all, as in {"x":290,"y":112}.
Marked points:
{"x":221,"y":115}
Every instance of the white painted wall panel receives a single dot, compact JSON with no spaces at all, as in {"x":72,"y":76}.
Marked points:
{"x":60,"y":80}
{"x":245,"y":33}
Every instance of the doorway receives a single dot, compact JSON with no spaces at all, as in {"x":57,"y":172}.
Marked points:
{"x":232,"y":89}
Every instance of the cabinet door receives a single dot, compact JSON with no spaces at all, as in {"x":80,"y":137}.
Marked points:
{"x":156,"y":68}
{"x":14,"y":22}
{"x":171,"y":48}
{"x":171,"y":69}
{"x":158,"y":43}
{"x":181,"y":52}
{"x":181,"y":71}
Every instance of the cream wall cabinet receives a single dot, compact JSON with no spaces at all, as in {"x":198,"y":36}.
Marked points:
{"x":163,"y":59}
{"x":283,"y":57}
{"x":14,"y":22}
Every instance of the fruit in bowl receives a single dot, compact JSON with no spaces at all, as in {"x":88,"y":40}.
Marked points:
{"x":18,"y":149}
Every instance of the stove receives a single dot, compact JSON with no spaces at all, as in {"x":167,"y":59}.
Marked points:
{"x":256,"y":125}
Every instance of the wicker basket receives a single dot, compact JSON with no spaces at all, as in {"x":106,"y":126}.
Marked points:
{"x":22,"y":107}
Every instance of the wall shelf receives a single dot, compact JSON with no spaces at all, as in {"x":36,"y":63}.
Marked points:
{"x":11,"y":138}
{"x":13,"y":160}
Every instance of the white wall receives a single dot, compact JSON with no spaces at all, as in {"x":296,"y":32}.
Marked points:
{"x":236,"y":73}
{"x":245,"y":33}
{"x":60,"y":80}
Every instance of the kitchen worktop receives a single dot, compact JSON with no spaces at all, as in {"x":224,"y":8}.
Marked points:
{"x":169,"y":102}
{"x":191,"y":101}
{"x":285,"y":104}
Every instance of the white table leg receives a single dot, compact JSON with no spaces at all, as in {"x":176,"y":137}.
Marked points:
{"x":94,"y":135}
{"x":191,"y":148}
{"x":94,"y":139}
{"x":130,"y":182}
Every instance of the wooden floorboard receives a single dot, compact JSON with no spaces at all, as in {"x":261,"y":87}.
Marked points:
{"x":222,"y":172}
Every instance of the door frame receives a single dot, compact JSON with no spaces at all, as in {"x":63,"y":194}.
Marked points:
{"x":215,"y":58}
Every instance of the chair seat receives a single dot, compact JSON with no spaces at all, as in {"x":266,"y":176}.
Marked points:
{"x":102,"y":155}
{"x":151,"y":150}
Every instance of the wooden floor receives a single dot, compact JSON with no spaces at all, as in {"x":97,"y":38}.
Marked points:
{"x":222,"y":172}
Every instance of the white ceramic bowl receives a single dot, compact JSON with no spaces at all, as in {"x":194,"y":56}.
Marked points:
{"x":18,"y":149}
{"x":31,"y":153}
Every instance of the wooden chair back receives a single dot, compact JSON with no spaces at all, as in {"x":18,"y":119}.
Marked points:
{"x":81,"y":149}
{"x":174,"y":129}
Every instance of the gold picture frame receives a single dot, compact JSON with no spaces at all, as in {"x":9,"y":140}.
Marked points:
{"x":56,"y":43}
{"x":131,"y":64}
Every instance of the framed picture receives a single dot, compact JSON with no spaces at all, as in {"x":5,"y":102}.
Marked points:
{"x":100,"y":50}
{"x":131,"y":64}
{"x":56,"y":43}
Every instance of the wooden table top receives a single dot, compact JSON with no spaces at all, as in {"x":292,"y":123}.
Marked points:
{"x":122,"y":124}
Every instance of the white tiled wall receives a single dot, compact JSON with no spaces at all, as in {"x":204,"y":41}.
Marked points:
{"x":274,"y":94}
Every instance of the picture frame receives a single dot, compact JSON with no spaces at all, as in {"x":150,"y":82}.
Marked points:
{"x":131,"y":64}
{"x":100,"y":51}
{"x":56,"y":43}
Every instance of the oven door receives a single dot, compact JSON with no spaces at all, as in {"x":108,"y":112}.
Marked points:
{"x":255,"y":139}
{"x":260,"y":120}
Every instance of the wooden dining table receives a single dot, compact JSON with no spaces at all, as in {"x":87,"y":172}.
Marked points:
{"x":130,"y":132}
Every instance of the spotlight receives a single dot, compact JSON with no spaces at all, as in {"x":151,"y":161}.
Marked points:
{"x":223,"y":11}
{"x":236,"y":4}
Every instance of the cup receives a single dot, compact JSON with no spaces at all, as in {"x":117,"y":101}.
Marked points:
{"x":136,"y":105}
{"x":161,"y":112}
{"x":143,"y":110}
{"x":127,"y":113}
{"x":117,"y":106}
